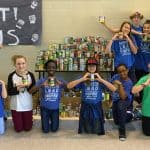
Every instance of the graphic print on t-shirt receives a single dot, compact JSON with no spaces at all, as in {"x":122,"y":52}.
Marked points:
{"x":145,"y":47}
{"x":92,"y":90}
{"x":124,"y":48}
{"x":51,"y":93}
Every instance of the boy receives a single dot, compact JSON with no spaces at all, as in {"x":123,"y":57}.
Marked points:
{"x":122,"y":99}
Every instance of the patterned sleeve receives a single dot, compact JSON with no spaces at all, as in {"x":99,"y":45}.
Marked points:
{"x":11,"y":89}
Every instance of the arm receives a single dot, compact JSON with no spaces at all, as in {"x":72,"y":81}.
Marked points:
{"x":108,"y":47}
{"x":106,"y":83}
{"x":110,"y":29}
{"x":136,"y":32}
{"x":33,"y":81}
{"x":132,"y":46}
{"x":38,"y":85}
{"x":121,"y":90}
{"x":4,"y":92}
{"x":33,"y":89}
{"x":138,"y":88}
{"x":76,"y":82}
{"x":11,"y":89}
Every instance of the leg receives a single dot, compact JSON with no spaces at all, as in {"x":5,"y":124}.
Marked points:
{"x":122,"y":107}
{"x":129,"y":117}
{"x":27,"y":120}
{"x":54,"y":120}
{"x":101,"y":121}
{"x":115,"y":112}
{"x":80,"y":128}
{"x":45,"y":117}
{"x":17,"y":120}
{"x":139,"y":74}
{"x":146,"y":125}
{"x":122,"y":114}
{"x":2,"y":126}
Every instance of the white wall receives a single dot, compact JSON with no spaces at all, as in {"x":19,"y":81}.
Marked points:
{"x":73,"y":18}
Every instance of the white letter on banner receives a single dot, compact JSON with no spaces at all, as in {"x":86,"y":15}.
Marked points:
{"x":3,"y":10}
{"x":15,"y":12}
{"x":13,"y":35}
{"x":1,"y":37}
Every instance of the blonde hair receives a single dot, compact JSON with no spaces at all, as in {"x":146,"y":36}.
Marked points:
{"x":15,"y":57}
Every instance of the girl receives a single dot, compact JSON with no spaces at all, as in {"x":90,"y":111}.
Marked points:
{"x":20,"y":82}
{"x":50,"y":89}
{"x":123,"y":48}
{"x":91,"y":84}
{"x":3,"y":94}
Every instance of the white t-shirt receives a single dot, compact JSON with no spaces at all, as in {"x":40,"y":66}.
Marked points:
{"x":22,"y":101}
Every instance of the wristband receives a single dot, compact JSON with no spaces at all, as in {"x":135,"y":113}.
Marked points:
{"x":143,"y":85}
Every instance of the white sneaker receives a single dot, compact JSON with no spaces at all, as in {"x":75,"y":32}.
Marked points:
{"x":122,"y":137}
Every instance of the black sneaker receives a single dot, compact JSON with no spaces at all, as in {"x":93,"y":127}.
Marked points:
{"x":122,"y":137}
{"x":101,"y":133}
{"x":122,"y":134}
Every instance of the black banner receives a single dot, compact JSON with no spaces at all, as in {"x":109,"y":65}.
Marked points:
{"x":20,"y":22}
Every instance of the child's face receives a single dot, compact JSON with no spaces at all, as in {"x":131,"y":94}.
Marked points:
{"x":92,"y":68}
{"x":21,"y":65}
{"x":136,"y":20}
{"x":51,"y":69}
{"x":123,"y":72}
{"x":146,"y":28}
{"x":126,"y":28}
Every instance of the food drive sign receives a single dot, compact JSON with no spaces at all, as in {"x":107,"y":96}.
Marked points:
{"x":20,"y":22}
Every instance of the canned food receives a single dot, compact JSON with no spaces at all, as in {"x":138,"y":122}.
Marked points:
{"x":24,"y":80}
{"x":102,"y":19}
{"x":51,"y":82}
{"x":92,"y":78}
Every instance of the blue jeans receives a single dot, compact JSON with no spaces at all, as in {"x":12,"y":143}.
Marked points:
{"x":2,"y":125}
{"x":49,"y":120}
{"x":120,"y":115}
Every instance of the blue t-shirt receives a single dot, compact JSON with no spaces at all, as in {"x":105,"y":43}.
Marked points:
{"x":50,"y":95}
{"x":127,"y":84}
{"x":136,"y":36}
{"x":1,"y":103}
{"x":91,"y":92}
{"x":145,"y":54}
{"x":123,"y":53}
{"x":142,"y":58}
{"x":139,"y":63}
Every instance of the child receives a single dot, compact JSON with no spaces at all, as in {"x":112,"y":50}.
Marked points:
{"x":143,"y":56}
{"x":19,"y":83}
{"x":51,"y":89}
{"x":122,"y":99}
{"x":144,"y":85}
{"x":91,"y":84}
{"x":123,"y":48}
{"x":3,"y":94}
